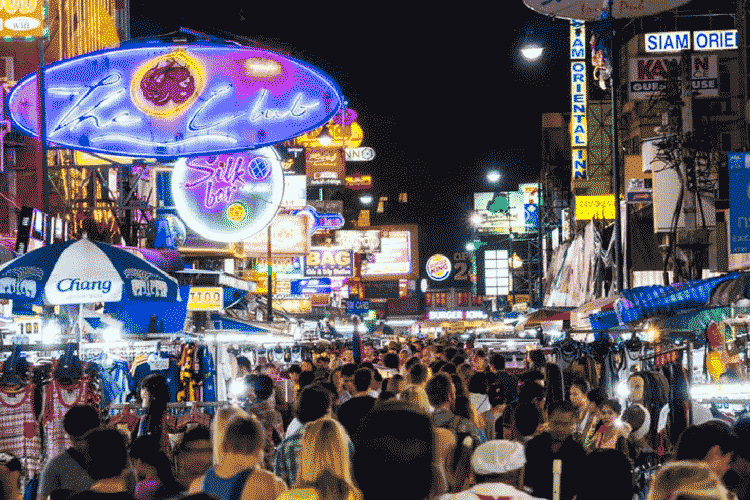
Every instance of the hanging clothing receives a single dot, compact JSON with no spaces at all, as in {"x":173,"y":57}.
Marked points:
{"x":58,"y":399}
{"x":116,"y":380}
{"x":163,"y":364}
{"x":19,"y":431}
{"x":207,"y":376}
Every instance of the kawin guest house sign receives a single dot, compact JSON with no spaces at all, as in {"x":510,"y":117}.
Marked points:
{"x":156,"y":100}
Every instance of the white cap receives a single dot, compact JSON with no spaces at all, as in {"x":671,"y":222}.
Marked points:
{"x":497,"y":457}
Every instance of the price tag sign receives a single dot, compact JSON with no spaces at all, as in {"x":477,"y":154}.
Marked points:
{"x":205,"y":298}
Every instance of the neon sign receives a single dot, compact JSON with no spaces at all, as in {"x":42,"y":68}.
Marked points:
{"x":228,"y":198}
{"x":160,"y":101}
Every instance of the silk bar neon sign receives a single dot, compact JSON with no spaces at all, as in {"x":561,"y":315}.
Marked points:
{"x":228,"y":198}
{"x":162,"y":101}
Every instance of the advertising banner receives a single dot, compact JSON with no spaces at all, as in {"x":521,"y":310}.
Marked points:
{"x":500,"y":212}
{"x":600,"y":207}
{"x":295,"y":192}
{"x":649,"y":75}
{"x":398,"y":256}
{"x":358,"y":181}
{"x":356,"y":306}
{"x":311,"y":286}
{"x":23,"y":19}
{"x":382,"y":290}
{"x":288,"y":237}
{"x":365,"y":241}
{"x":324,"y":261}
{"x":325,"y":166}
{"x":205,"y":298}
{"x":293,"y":306}
{"x":739,"y":202}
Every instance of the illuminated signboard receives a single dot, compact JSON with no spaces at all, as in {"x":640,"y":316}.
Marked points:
{"x":398,"y":256}
{"x":325,"y":166}
{"x":288,"y":237}
{"x":456,"y":315}
{"x":295,"y":192}
{"x":677,"y":41}
{"x":648,"y":76}
{"x":228,"y":197}
{"x":601,"y":207}
{"x":578,"y":103}
{"x":324,"y":261}
{"x":159,"y":100}
{"x":438,"y":267}
{"x":500,"y":212}
{"x":497,"y":278}
{"x":579,"y":163}
{"x":358,"y":181}
{"x":311,"y":286}
{"x":204,"y":298}
{"x":349,"y":136}
{"x":365,"y":241}
{"x":23,"y":18}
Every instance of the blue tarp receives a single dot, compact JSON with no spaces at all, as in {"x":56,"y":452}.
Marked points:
{"x":232,"y":324}
{"x":136,"y":316}
{"x":656,"y":300}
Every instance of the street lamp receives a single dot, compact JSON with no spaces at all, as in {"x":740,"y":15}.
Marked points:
{"x":366,"y":199}
{"x":532,"y":52}
{"x":493,"y":176}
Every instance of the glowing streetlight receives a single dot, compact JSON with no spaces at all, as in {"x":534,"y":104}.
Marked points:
{"x":366,"y":199}
{"x":493,"y":176}
{"x":532,"y":51}
{"x":470,"y":246}
{"x":476,"y":219}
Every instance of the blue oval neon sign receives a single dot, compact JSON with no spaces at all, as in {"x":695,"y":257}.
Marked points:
{"x":164,"y":101}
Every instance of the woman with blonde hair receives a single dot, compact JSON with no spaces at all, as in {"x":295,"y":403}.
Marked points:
{"x":325,"y":467}
{"x":687,"y":480}
{"x":219,"y":426}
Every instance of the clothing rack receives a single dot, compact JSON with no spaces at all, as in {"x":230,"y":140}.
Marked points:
{"x":39,"y":347}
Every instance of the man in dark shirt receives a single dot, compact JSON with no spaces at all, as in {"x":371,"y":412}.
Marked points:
{"x":555,"y":444}
{"x":353,"y":411}
{"x":107,"y":464}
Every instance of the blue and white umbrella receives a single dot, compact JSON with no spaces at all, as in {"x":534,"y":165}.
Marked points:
{"x":83,"y":272}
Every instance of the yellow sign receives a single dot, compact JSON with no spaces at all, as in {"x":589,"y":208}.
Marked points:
{"x":349,"y":136}
{"x":86,"y":159}
{"x":205,"y":298}
{"x":293,"y":306}
{"x":289,"y":236}
{"x":23,"y":19}
{"x":600,"y":207}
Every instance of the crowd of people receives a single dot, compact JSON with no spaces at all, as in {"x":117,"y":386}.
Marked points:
{"x":426,"y":421}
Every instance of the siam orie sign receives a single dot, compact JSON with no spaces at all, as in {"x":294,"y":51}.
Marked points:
{"x":228,"y":198}
{"x":158,"y":100}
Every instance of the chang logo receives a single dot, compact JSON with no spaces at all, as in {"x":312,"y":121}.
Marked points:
{"x":145,"y":284}
{"x":16,"y":281}
{"x":76,"y":285}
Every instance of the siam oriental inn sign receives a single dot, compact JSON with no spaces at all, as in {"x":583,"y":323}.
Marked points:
{"x":159,"y":100}
{"x":228,"y":198}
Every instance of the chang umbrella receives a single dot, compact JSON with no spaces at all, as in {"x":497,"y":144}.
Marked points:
{"x":82,"y":272}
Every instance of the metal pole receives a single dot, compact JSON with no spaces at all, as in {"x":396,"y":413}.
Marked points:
{"x":42,"y":116}
{"x":618,"y":267}
{"x":741,"y":20}
{"x":269,"y":293}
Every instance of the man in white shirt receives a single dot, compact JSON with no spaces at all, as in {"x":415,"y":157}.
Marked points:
{"x":498,"y":470}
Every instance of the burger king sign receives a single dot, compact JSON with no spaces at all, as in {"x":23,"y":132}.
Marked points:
{"x":438,"y":267}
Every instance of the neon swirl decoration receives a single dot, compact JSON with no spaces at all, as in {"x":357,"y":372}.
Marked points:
{"x":158,"y":101}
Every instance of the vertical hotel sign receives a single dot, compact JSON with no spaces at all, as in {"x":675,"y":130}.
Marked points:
{"x":578,"y":98}
{"x":23,"y":19}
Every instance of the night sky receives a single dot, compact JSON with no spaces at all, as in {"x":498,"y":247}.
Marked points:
{"x":442,"y":93}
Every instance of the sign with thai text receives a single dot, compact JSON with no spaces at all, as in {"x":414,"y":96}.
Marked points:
{"x":358,"y":181}
{"x":228,"y":198}
{"x":289,"y":236}
{"x":600,"y":207}
{"x":160,"y":100}
{"x":649,"y":76}
{"x":324,"y":261}
{"x":349,"y":136}
{"x":739,"y":202}
{"x":325,"y":166}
